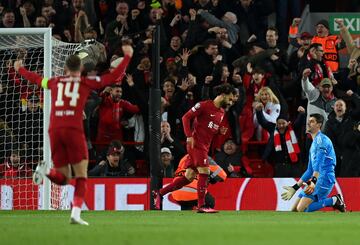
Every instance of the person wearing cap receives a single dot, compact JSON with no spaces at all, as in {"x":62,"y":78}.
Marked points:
{"x":282,"y":148}
{"x":321,"y":99}
{"x":230,"y":160}
{"x":115,"y":164}
{"x":302,"y":45}
{"x":166,"y":158}
{"x":331,"y":43}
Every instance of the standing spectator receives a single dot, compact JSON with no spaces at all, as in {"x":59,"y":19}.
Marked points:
{"x":115,"y":164}
{"x":320,"y":100}
{"x":14,"y":167}
{"x":111,"y":111}
{"x":228,"y":22}
{"x":31,"y":129}
{"x":167,"y":162}
{"x":351,"y":159}
{"x":168,"y":141}
{"x":340,"y":122}
{"x":331,"y":44}
{"x":270,"y":109}
{"x":229,"y":159}
{"x":282,"y":149}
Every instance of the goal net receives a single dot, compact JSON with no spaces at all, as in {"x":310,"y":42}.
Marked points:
{"x":24,"y":118}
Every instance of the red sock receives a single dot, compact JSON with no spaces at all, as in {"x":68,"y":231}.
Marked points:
{"x":177,"y":183}
{"x":57,"y":177}
{"x":201,"y":188}
{"x":80,"y":190}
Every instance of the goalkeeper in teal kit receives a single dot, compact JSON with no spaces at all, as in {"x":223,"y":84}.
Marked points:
{"x":319,"y":176}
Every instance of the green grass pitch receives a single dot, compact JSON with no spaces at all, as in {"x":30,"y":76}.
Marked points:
{"x":174,"y":227}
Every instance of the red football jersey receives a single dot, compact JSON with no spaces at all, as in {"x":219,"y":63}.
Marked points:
{"x":69,"y":94}
{"x":206,"y":120}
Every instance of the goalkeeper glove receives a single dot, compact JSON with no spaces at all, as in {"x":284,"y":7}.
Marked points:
{"x":290,"y":191}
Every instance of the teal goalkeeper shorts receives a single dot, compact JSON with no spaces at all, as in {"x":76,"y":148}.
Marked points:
{"x":321,"y":192}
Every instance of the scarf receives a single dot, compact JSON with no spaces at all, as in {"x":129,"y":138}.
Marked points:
{"x":291,"y":143}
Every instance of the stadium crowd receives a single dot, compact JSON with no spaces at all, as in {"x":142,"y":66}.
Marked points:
{"x":204,"y":43}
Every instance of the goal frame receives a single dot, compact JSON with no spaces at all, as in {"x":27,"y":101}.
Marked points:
{"x":45,"y":193}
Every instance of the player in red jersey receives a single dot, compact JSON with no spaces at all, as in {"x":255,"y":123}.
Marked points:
{"x":67,"y":140}
{"x":206,"y":117}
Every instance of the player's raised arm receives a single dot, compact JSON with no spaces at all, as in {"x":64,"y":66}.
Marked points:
{"x":33,"y":77}
{"x":118,"y":73}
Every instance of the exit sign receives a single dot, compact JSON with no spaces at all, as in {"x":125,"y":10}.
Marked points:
{"x":351,"y":21}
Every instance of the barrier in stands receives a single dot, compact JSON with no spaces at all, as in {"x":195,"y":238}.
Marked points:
{"x":133,"y":194}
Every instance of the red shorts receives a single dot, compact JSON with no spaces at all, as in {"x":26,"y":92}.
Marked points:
{"x":68,"y":146}
{"x":198,"y":158}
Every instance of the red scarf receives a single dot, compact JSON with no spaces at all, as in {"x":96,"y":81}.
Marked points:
{"x":291,"y":143}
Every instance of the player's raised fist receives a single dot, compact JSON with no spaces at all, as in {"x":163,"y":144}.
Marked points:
{"x":127,"y":50}
{"x":18,"y":64}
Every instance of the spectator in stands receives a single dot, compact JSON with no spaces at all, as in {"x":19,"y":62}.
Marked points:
{"x":353,"y":79}
{"x":41,"y":21}
{"x":351,"y":158}
{"x":271,"y":110}
{"x":229,"y":51}
{"x":283,"y":10}
{"x":315,"y":62}
{"x":168,"y":141}
{"x":252,"y":17}
{"x":301,"y":45}
{"x":115,"y":164}
{"x":351,"y":46}
{"x":341,"y":120}
{"x":202,"y":62}
{"x":174,"y":48}
{"x":31,"y":129}
{"x":28,"y":9}
{"x":229,"y":158}
{"x":6,"y":139}
{"x":331,"y":44}
{"x":279,"y":59}
{"x":7,"y":19}
{"x":282,"y":149}
{"x":198,"y":30}
{"x":15,"y":167}
{"x":167,"y":162}
{"x":228,"y":21}
{"x":321,"y":100}
{"x":111,"y":111}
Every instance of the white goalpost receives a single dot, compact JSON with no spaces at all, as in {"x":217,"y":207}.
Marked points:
{"x":24,"y":117}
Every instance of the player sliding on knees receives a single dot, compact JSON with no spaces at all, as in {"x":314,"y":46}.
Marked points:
{"x":319,"y":176}
{"x":67,"y":139}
